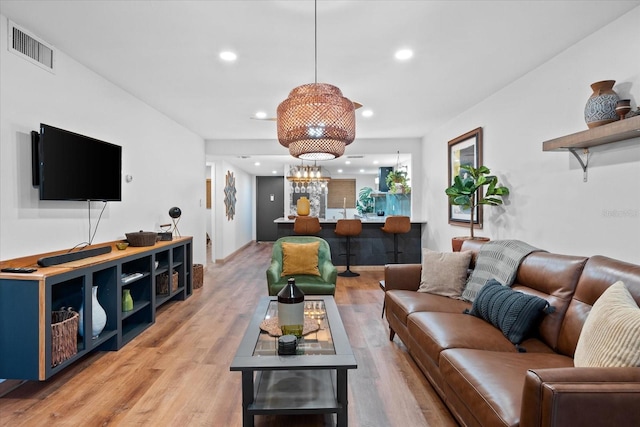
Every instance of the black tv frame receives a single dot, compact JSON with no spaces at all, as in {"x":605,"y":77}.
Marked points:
{"x":35,"y":162}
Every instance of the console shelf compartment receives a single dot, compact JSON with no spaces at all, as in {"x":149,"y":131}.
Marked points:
{"x":137,"y":306}
{"x":27,"y":301}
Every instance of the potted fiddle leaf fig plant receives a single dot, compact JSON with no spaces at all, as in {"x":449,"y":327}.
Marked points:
{"x":398,"y":182}
{"x":464,"y":192}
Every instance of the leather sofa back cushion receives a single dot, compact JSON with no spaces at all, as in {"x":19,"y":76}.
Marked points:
{"x":599,"y":273}
{"x":611,"y":334}
{"x":444,"y":273}
{"x":553,"y":277}
{"x":300,"y":258}
{"x":515,"y":313}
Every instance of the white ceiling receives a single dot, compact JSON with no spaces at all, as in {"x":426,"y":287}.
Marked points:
{"x":166,"y":54}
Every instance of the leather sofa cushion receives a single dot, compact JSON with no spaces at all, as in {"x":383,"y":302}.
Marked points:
{"x":436,"y":332}
{"x":553,"y":277}
{"x":599,"y":273}
{"x":403,"y":303}
{"x":490,"y":383}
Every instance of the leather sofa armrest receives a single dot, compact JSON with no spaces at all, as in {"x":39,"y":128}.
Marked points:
{"x":402,"y":276}
{"x":581,"y":396}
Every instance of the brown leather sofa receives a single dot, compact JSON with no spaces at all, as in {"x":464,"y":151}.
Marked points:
{"x":482,"y":377}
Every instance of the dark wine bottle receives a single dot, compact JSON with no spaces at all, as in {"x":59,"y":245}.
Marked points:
{"x":291,"y":309}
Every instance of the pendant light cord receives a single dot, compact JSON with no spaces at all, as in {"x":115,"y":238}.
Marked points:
{"x":315,"y":37}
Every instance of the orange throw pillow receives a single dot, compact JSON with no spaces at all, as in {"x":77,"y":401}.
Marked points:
{"x":300,"y":258}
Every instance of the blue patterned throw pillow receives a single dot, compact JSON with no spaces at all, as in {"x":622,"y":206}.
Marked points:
{"x":515,"y":313}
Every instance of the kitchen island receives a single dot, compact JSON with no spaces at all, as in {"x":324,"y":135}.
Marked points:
{"x":372,"y":247}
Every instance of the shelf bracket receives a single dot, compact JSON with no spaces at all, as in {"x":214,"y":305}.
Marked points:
{"x":583,"y":164}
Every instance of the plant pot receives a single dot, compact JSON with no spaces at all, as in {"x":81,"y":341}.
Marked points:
{"x":456,"y":242}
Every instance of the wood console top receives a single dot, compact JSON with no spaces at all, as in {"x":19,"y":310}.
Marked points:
{"x":42,"y":272}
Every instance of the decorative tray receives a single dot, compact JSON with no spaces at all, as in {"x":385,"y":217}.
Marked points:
{"x":271,"y":326}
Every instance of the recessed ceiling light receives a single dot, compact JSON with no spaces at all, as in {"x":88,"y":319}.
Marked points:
{"x":229,"y":56}
{"x":367,"y":113}
{"x":403,"y":54}
{"x":348,"y":162}
{"x":261,"y":115}
{"x":256,"y":164}
{"x":375,"y":162}
{"x":274,"y":172}
{"x":339,"y":170}
{"x":361,"y":170}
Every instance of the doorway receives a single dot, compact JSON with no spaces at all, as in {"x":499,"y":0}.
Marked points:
{"x":269,"y":206}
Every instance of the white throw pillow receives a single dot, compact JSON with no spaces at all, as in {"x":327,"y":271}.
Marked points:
{"x":611,"y":334}
{"x":444,"y":273}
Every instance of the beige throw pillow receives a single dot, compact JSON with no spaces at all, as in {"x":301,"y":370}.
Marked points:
{"x":611,"y":334}
{"x":300,"y":258}
{"x":444,"y":273}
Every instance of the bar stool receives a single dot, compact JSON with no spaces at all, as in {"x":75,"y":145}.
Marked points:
{"x":395,"y":225}
{"x":348,"y":228}
{"x":307,"y":225}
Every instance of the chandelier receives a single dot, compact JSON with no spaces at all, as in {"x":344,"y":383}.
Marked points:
{"x":316,"y":122}
{"x":308,"y":179}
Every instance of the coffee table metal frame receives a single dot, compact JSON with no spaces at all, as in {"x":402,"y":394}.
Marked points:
{"x":304,"y":384}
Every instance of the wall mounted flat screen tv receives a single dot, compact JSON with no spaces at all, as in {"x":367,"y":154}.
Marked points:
{"x":71,"y":166}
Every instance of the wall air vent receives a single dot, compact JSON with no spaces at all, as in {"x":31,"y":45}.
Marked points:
{"x":27,"y":46}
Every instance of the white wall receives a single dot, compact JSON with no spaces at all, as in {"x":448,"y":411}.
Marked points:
{"x":229,"y":235}
{"x":165,"y":159}
{"x":550,"y":206}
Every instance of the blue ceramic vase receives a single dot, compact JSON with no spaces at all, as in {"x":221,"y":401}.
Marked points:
{"x":601,"y":105}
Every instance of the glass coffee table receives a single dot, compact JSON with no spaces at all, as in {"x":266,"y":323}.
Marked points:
{"x":313,"y":381}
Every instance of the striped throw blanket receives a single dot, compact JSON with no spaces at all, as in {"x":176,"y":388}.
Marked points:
{"x":497,"y":259}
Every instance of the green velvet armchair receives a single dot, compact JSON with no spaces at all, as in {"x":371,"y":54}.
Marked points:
{"x":325,"y":284}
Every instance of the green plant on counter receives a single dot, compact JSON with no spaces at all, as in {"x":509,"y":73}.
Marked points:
{"x":464,"y":190}
{"x":398,"y":177}
{"x":365,"y":204}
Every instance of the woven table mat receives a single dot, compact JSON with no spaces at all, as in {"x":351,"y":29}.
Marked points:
{"x":271,"y":327}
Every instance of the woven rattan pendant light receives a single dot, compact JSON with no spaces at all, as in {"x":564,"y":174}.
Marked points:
{"x":316,"y":122}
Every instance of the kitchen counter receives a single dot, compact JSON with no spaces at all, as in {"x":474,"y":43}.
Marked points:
{"x":372,"y":247}
{"x":373,"y":220}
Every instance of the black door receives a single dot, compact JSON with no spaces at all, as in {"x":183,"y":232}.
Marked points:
{"x":269,"y":206}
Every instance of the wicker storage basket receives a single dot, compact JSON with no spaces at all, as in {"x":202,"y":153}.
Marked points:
{"x":198,"y":273}
{"x":142,"y":238}
{"x":162,"y":283}
{"x":174,"y":282}
{"x":64,"y":330}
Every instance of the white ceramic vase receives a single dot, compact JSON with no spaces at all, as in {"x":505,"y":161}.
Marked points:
{"x":98,"y":315}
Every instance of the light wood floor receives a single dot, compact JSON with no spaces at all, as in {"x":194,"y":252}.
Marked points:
{"x":176,"y":373}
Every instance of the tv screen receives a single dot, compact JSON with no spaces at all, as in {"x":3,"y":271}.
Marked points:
{"x":77,"y":167}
